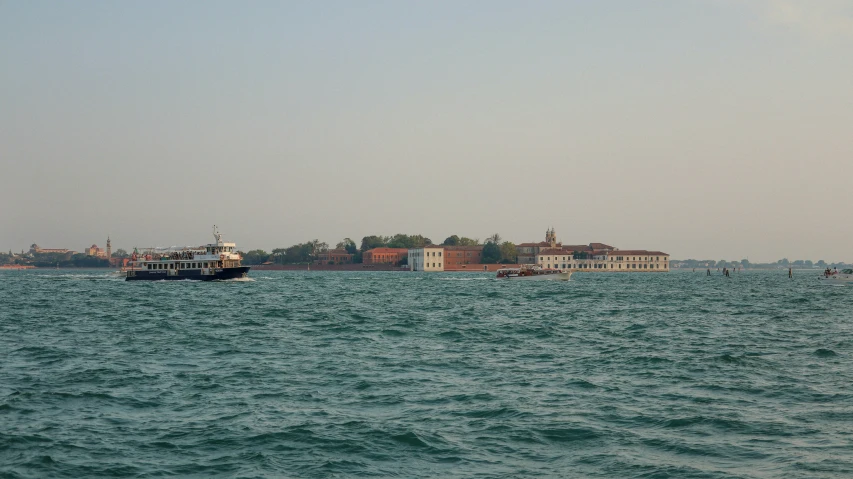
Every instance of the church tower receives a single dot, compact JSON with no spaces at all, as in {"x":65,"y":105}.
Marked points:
{"x":551,"y":237}
{"x":109,"y":248}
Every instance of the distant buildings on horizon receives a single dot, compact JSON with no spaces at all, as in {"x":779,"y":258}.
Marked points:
{"x":551,"y":254}
{"x":93,"y":250}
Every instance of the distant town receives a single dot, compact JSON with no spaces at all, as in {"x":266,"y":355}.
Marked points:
{"x":419,"y":253}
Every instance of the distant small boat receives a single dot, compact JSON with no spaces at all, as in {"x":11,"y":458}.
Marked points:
{"x":533,"y":272}
{"x":843,"y":276}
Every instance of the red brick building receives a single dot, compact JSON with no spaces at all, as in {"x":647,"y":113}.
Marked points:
{"x":456,"y":256}
{"x":384,"y":255}
{"x":334,"y":256}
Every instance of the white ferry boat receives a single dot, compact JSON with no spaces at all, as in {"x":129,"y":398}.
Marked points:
{"x":533,"y":272}
{"x":214,"y":261}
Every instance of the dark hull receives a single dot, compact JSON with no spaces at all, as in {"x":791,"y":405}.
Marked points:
{"x":194,"y":274}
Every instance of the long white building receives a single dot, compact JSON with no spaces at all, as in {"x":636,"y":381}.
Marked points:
{"x":610,"y":261}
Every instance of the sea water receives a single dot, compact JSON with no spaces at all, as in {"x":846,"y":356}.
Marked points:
{"x":327,"y":374}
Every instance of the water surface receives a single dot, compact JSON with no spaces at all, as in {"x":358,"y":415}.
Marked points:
{"x":319,"y":374}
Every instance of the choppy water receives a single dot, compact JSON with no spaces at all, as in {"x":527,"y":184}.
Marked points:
{"x":425,"y":375}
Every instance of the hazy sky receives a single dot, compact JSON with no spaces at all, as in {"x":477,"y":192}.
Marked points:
{"x":717,"y":129}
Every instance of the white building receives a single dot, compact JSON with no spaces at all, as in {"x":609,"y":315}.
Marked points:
{"x":638,"y":260}
{"x":634,"y":261}
{"x":428,"y":258}
{"x":555,"y":258}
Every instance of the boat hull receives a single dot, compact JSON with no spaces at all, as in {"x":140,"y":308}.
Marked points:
{"x":564,"y":276}
{"x":841,"y":278}
{"x":218,"y":274}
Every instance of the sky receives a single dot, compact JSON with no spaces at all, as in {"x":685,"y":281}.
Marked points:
{"x":718,"y":129}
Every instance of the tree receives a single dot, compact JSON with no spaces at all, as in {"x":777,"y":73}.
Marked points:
{"x":809,"y":263}
{"x":401,"y":240}
{"x":509,"y":253}
{"x":463,"y":241}
{"x":783,"y":261}
{"x":491,"y":253}
{"x":348,"y":245}
{"x":495,"y":238}
{"x":317,"y":247}
{"x":302,"y":252}
{"x":120,"y":253}
{"x":744,"y":263}
{"x":821,"y":263}
{"x":451,"y":241}
{"x":370,"y":242}
{"x":256,"y":256}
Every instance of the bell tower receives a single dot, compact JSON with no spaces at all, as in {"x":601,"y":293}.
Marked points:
{"x":109,"y":248}
{"x":551,"y":237}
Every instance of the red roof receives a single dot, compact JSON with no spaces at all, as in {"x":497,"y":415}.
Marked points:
{"x":387,"y":250}
{"x":577,"y":247}
{"x":554,"y":251}
{"x":463,"y":248}
{"x":635,"y":252}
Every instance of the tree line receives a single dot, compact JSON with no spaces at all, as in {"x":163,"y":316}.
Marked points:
{"x":51,"y":260}
{"x":494,"y":249}
{"x":744,"y":263}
